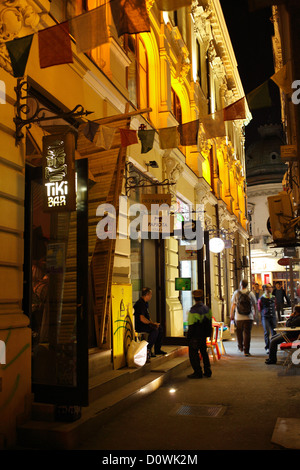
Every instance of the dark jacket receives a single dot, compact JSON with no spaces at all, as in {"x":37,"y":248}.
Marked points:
{"x":267,"y":305}
{"x":199,"y":321}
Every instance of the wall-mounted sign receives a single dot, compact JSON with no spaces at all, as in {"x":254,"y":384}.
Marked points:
{"x":187,"y":252}
{"x":59,"y":172}
{"x":183,"y":283}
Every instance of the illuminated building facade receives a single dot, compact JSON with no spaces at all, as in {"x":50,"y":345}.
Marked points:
{"x":56,"y":274}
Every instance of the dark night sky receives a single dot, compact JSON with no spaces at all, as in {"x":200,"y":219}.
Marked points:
{"x":251,"y":37}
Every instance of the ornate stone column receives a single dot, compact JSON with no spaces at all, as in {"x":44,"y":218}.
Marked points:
{"x":17,"y":18}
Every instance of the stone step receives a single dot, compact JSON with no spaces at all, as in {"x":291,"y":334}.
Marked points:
{"x":110,"y":395}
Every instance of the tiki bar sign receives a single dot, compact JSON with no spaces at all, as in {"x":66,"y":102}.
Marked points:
{"x":59,"y":172}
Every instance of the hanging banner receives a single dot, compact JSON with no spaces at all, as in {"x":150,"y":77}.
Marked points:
{"x":122,"y":321}
{"x":59,"y":172}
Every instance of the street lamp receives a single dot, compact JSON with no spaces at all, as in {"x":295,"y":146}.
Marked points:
{"x":216,"y":245}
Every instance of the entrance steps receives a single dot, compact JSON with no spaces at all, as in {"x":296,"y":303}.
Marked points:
{"x":110,"y":392}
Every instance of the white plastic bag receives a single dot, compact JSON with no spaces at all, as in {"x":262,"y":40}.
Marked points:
{"x":137,"y":354}
{"x":232,"y":327}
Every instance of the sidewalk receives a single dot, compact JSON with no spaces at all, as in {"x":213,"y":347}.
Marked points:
{"x":252,"y":406}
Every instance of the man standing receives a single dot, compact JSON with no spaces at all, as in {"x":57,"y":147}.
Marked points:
{"x":280,"y":295}
{"x":200,"y":327}
{"x":243,"y":308}
{"x":268,"y":315}
{"x":143,"y":323}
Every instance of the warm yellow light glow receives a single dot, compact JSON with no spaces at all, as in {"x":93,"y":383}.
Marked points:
{"x":172,"y":390}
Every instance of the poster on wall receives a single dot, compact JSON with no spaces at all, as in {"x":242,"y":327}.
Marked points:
{"x":122,"y":322}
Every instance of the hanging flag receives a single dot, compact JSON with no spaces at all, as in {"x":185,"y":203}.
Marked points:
{"x":214,"y":125}
{"x":130,"y":16}
{"x":90,"y":29}
{"x":235,"y":111}
{"x":189,"y":133}
{"x":282,"y":80}
{"x":260,"y":97}
{"x":128,"y":137}
{"x":105,"y":137}
{"x":55,"y":45}
{"x":18,"y":50}
{"x":259,"y":4}
{"x":170,"y":5}
{"x":90,"y":130}
{"x":147,"y":138}
{"x":168,"y":137}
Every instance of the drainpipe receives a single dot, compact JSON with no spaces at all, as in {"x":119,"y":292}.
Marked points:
{"x":219,"y":258}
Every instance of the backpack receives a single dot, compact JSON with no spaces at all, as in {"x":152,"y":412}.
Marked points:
{"x":244,"y":305}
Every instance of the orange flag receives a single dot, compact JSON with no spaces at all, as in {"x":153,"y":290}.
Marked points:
{"x":55,"y":45}
{"x":128,"y":137}
{"x":130,"y":16}
{"x":189,"y":132}
{"x":235,"y":111}
{"x":214,"y":125}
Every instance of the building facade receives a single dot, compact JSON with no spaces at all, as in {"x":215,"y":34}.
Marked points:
{"x":58,"y":271}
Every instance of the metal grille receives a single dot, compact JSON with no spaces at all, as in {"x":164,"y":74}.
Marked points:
{"x":200,"y":411}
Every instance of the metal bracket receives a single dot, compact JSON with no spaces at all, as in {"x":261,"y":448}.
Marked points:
{"x":23,"y":110}
{"x":133,"y":182}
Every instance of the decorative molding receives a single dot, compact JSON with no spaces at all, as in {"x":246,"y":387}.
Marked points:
{"x":17,"y":18}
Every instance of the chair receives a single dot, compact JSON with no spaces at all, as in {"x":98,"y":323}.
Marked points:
{"x":289,"y":348}
{"x":220,"y":335}
{"x":212,"y":342}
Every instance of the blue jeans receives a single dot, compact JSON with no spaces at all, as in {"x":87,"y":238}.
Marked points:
{"x":268,"y":323}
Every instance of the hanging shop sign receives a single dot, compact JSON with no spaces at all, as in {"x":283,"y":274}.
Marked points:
{"x":157,"y":224}
{"x":288,"y":153}
{"x":59,"y":172}
{"x":149,"y":200}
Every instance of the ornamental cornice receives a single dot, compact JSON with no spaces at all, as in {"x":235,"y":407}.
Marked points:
{"x":17,"y":18}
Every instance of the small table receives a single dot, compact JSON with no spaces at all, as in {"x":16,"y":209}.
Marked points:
{"x":286,"y":329}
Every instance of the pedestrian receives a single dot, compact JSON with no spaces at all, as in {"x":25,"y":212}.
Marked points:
{"x":257,"y":291}
{"x":268,"y":314}
{"x":144,"y":324}
{"x":243,"y":309}
{"x":280,"y":297}
{"x":200,"y":327}
{"x":292,"y":321}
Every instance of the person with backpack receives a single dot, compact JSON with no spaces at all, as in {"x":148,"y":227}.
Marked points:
{"x":268,"y":314}
{"x":243,"y":309}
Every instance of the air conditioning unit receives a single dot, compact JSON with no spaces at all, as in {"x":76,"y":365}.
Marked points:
{"x":281,"y":214}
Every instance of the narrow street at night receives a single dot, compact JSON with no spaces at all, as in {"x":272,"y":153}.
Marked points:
{"x":149,"y":217}
{"x":254,"y":399}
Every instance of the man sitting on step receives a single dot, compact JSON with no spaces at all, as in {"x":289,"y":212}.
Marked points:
{"x":143,"y":323}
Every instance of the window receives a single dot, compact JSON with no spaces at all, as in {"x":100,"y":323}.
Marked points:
{"x":176,"y":107}
{"x":138,"y":71}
